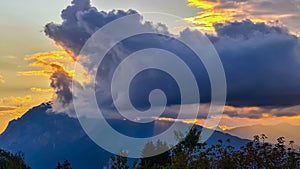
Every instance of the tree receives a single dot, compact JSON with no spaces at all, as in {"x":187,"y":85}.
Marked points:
{"x":155,"y":155}
{"x":65,"y":165}
{"x":120,"y":161}
{"x":191,"y":154}
{"x":12,"y":161}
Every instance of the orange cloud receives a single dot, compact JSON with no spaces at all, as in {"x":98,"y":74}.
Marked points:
{"x":201,"y":4}
{"x":50,"y":62}
{"x":14,"y":112}
{"x":224,"y":127}
{"x":210,"y":14}
{"x":56,"y":61}
{"x":261,"y":112}
{"x":243,"y":109}
{"x":221,"y":11}
{"x":34,"y":73}
{"x":40,"y":90}
{"x":186,"y":121}
{"x":16,"y":101}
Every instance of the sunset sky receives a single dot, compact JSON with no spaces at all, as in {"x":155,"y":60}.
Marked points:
{"x":28,"y":58}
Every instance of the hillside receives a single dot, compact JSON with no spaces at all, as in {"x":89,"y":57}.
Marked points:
{"x":46,"y":138}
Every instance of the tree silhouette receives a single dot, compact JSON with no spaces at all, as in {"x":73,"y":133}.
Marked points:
{"x":155,"y":155}
{"x":191,"y":154}
{"x":65,"y":165}
{"x":120,"y":161}
{"x":12,"y":161}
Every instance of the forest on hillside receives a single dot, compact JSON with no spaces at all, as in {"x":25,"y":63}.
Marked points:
{"x":191,"y":154}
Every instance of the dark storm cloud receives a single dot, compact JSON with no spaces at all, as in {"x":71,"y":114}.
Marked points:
{"x":61,"y":82}
{"x":80,"y":21}
{"x":261,"y":62}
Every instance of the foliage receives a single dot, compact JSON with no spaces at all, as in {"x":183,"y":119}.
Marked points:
{"x":159,"y":161}
{"x":120,"y":161}
{"x":65,"y":165}
{"x":12,"y":161}
{"x":191,"y":154}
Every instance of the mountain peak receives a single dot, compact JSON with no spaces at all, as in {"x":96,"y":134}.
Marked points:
{"x":46,"y":138}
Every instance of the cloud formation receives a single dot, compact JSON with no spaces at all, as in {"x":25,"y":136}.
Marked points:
{"x":58,"y":67}
{"x":80,"y":21}
{"x":261,"y":61}
{"x":5,"y":108}
{"x":16,"y":101}
{"x":40,"y":90}
{"x":261,"y":112}
{"x":286,"y":11}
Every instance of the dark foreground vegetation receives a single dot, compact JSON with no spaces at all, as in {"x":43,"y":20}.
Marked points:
{"x":12,"y":161}
{"x":190,"y":154}
{"x":16,"y":161}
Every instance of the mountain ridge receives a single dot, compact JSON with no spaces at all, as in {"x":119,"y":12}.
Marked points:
{"x":46,"y":138}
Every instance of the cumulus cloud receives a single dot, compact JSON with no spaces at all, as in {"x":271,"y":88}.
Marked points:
{"x":261,"y":62}
{"x":80,"y":21}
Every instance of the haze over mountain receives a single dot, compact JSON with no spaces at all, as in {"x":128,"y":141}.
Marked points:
{"x":290,"y":132}
{"x":46,"y":138}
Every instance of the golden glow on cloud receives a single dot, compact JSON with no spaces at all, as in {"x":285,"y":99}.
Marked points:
{"x":201,"y":4}
{"x":265,"y":115}
{"x":186,"y":121}
{"x":15,"y":101}
{"x":190,"y":121}
{"x":217,"y":11}
{"x":223,"y":127}
{"x":209,"y":15}
{"x":40,"y":64}
{"x":33,"y":73}
{"x":40,"y":90}
{"x":166,"y":119}
{"x":243,"y":109}
{"x":52,"y":62}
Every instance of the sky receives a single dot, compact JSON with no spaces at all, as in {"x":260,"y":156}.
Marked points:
{"x":257,"y":40}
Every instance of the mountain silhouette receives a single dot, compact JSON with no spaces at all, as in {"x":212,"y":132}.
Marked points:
{"x":46,"y":138}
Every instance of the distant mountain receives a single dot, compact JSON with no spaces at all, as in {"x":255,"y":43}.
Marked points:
{"x":46,"y":138}
{"x":290,"y":132}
